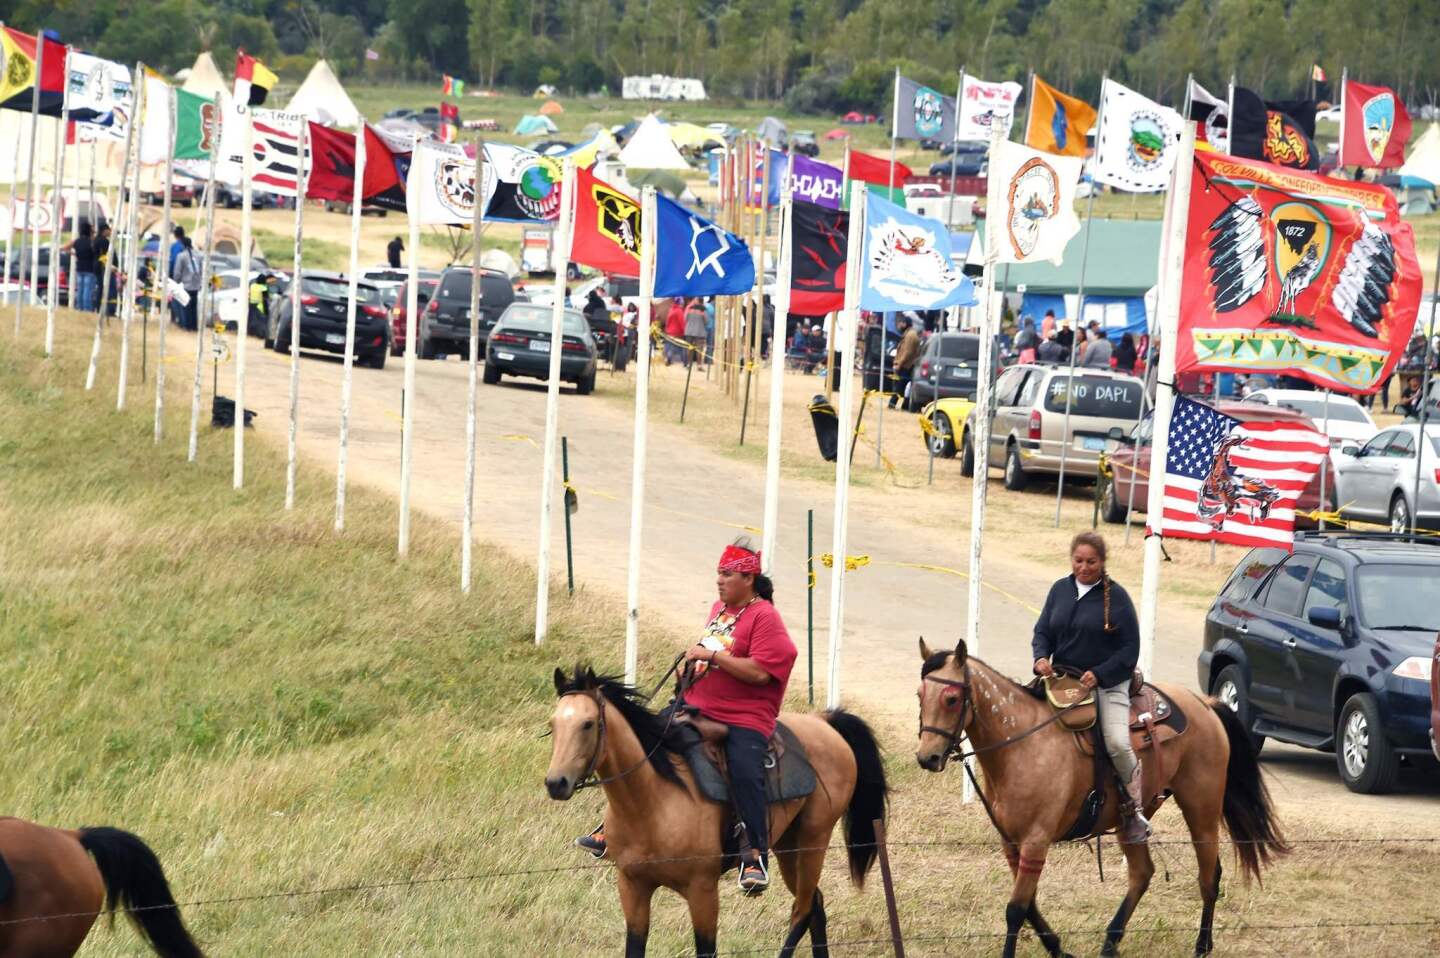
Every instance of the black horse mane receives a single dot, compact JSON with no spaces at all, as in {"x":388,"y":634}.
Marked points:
{"x":649,"y":728}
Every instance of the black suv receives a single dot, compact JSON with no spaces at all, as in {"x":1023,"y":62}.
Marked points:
{"x":324,"y":304}
{"x":445,"y":323}
{"x":1329,"y":647}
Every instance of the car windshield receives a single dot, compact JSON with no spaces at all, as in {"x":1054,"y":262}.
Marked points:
{"x":1096,"y":396}
{"x":339,"y":289}
{"x":1396,"y":596}
{"x":536,"y":319}
{"x":1315,"y":409}
{"x":960,"y":347}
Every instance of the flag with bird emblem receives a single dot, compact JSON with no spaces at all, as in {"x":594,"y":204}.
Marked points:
{"x":1295,"y":273}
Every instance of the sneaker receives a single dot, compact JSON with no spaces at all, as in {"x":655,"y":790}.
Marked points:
{"x":594,"y":843}
{"x":754,"y":879}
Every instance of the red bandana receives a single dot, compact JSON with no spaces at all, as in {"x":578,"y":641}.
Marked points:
{"x":736,"y":559}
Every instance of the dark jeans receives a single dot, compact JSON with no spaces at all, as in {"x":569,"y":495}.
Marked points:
{"x":745,"y":753}
{"x":902,"y":380}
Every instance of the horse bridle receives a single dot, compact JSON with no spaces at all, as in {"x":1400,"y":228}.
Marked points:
{"x":963,"y":705}
{"x":588,"y":779}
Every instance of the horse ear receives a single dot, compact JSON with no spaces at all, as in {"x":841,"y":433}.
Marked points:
{"x":559,"y":681}
{"x":590,"y":680}
{"x":960,"y":652}
{"x":925,"y":652}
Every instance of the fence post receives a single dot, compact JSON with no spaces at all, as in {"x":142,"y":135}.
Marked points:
{"x":895,"y":937}
{"x":571,"y":503}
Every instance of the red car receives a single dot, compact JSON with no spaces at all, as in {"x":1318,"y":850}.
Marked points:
{"x":398,"y":324}
{"x":1122,"y":461}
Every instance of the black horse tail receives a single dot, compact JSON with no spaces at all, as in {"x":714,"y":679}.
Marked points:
{"x":871,"y":798}
{"x":1249,"y":814}
{"x":135,"y":882}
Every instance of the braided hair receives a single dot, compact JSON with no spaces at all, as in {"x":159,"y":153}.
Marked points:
{"x":1097,"y":542}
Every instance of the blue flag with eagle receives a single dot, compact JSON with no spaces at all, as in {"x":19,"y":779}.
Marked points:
{"x":694,"y":257}
{"x":907,"y":263}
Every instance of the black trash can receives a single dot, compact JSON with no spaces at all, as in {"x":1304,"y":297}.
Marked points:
{"x":827,"y":427}
{"x":222,"y":414}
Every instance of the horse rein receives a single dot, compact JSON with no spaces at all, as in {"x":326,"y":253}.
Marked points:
{"x":966,"y":708}
{"x":589,"y":779}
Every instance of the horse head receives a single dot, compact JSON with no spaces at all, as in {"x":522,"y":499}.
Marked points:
{"x":577,"y":732}
{"x":945,"y":705}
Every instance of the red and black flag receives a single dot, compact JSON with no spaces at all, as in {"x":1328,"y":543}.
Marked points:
{"x":253,"y":80}
{"x":607,"y":227}
{"x":818,"y":238}
{"x":387,"y":167}
{"x":332,"y":165}
{"x":1280,"y":132}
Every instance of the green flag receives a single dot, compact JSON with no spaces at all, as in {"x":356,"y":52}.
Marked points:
{"x":195,"y":126}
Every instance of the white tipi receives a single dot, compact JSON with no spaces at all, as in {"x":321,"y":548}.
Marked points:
{"x":650,"y":148}
{"x":323,"y":100}
{"x":205,"y":78}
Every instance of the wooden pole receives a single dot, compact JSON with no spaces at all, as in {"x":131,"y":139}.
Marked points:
{"x":291,"y":445}
{"x":206,"y":306}
{"x":642,"y":411}
{"x":30,"y":183}
{"x":770,"y":534}
{"x":242,"y":329}
{"x":896,"y":938}
{"x":163,"y":264}
{"x":467,"y":525}
{"x":357,"y":200}
{"x":126,"y":289}
{"x":56,"y":214}
{"x":121,"y":208}
{"x":412,"y":326}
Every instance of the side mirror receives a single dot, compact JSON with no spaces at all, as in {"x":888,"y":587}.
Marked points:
{"x":1353,"y":451}
{"x":1326,"y":618}
{"x":1116,"y":434}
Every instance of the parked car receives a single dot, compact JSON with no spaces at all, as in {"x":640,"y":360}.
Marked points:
{"x":182,"y":193}
{"x":445,"y":323}
{"x":231,"y":301}
{"x":397,"y":302}
{"x":18,"y":271}
{"x":1377,"y":481}
{"x":1028,"y":422}
{"x":324,"y":302}
{"x":1130,"y":464}
{"x":1331,"y":647}
{"x":947,"y":418}
{"x":948,"y":366}
{"x":803,"y":141}
{"x":520,"y":344}
{"x":968,"y":160}
{"x":1342,"y":419}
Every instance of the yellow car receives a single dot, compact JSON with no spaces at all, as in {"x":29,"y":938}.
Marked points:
{"x":941,"y":421}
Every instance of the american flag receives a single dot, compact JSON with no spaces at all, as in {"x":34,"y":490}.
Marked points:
{"x":1270,"y":463}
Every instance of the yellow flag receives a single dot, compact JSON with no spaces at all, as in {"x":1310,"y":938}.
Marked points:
{"x":1058,"y":123}
{"x":17,"y":69}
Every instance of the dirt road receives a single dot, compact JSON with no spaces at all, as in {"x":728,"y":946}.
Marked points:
{"x":697,"y":500}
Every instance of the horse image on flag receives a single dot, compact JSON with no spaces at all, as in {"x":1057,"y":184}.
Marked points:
{"x":1225,"y":490}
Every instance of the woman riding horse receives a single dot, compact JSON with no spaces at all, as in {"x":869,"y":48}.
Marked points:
{"x":741,"y":666}
{"x":1088,"y":626}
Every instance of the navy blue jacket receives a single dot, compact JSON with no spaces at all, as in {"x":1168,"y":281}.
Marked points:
{"x":1071,"y":632}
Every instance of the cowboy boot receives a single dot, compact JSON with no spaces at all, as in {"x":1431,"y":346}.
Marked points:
{"x":1134,"y":827}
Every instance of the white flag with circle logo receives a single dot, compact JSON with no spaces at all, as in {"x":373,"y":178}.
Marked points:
{"x":983,"y":105}
{"x":1033,"y":195}
{"x":1137,"y":142}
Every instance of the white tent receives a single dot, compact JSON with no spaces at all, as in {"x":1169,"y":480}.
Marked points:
{"x":322,"y":99}
{"x":205,"y":78}
{"x":650,"y":148}
{"x":1424,"y":159}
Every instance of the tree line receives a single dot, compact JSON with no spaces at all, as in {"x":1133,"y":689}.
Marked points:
{"x":817,"y":55}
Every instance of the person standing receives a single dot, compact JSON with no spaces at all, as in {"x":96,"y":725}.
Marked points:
{"x":906,"y":355}
{"x":187,"y":274}
{"x":674,"y":331}
{"x":1050,"y":351}
{"x":1088,"y":626}
{"x":1065,"y":337}
{"x":102,"y":255}
{"x":393,"y":251}
{"x":1098,"y":351}
{"x":695,"y":332}
{"x":82,"y":265}
{"x":1126,"y":355}
{"x":1047,"y":325}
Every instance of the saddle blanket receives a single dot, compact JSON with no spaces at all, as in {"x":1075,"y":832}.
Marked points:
{"x":790,"y":777}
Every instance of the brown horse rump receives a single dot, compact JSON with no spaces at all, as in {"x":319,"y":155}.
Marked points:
{"x":788,"y":774}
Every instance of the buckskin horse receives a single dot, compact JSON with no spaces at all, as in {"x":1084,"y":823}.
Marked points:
{"x":1037,"y":782}
{"x":55,"y":882}
{"x":662,"y":833}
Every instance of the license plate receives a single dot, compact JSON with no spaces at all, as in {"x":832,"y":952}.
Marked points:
{"x":335,"y":339}
{"x":1094,"y":444}
{"x":962,"y":372}
{"x":508,"y":357}
{"x":540,"y":345}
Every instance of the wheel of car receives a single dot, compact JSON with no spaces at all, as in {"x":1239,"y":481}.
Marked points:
{"x":967,"y":456}
{"x":1399,"y":514}
{"x":280,"y":345}
{"x":1015,"y":477}
{"x":941,"y":440}
{"x":491,"y":374}
{"x":376,"y":360}
{"x":1363,"y":755}
{"x":585,"y":385}
{"x":1229,"y":690}
{"x":427,"y":349}
{"x":1111,"y":509}
{"x":397,"y":350}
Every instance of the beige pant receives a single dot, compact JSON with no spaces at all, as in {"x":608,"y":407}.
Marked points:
{"x":1114,"y":705}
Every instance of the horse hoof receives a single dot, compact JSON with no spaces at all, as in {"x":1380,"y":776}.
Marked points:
{"x":1111,"y":950}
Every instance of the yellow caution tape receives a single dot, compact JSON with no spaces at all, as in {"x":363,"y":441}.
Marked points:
{"x":851,"y":562}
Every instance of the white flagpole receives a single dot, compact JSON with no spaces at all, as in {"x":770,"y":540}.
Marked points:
{"x":1340,"y":154}
{"x":849,"y":320}
{"x":357,"y":199}
{"x":467,"y":526}
{"x":292,"y":452}
{"x":15,"y":220}
{"x":126,"y":290}
{"x":642,"y":413}
{"x":102,"y":295}
{"x":1079,"y":308}
{"x":880,"y":383}
{"x":412,"y":325}
{"x":164,"y":264}
{"x":771,"y":533}
{"x":552,"y":398}
{"x":242,"y":330}
{"x":30,"y":180}
{"x":954,"y":159}
{"x":205,"y":307}
{"x":56,"y":214}
{"x":1230,"y":117}
{"x":1169,"y":310}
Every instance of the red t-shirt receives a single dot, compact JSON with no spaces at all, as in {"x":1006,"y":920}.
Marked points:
{"x":675,"y":321}
{"x":760,"y":635}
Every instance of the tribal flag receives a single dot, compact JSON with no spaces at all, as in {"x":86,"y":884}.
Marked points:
{"x":451,"y":86}
{"x":96,"y":90}
{"x":332,"y":164}
{"x":1058,"y":123}
{"x":818,"y":238}
{"x":449,"y":122}
{"x":154,"y":130}
{"x":814,"y":182}
{"x":906,"y":262}
{"x":387,"y":169}
{"x":877,"y":172}
{"x":275,"y":149}
{"x":441,"y":186}
{"x":1236,"y":482}
{"x":526,"y":187}
{"x":18,"y":52}
{"x":984,"y":104}
{"x":1211,"y":116}
{"x":694,"y":257}
{"x":196,"y":126}
{"x":1295,"y":273}
{"x":922,"y":113}
{"x":1032,"y":194}
{"x":253,"y":80}
{"x":1277,"y":132}
{"x":1137,"y":141}
{"x":607,"y":227}
{"x":1374,"y":127}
